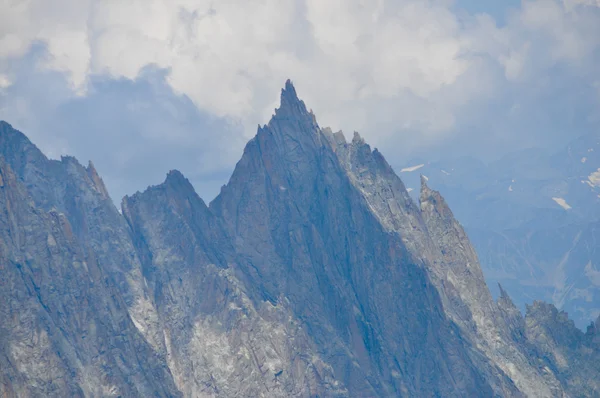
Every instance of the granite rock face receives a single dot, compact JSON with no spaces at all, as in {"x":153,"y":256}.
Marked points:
{"x":533,"y":217}
{"x":309,"y":235}
{"x":219,"y":342}
{"x":65,"y":329}
{"x":313,"y":273}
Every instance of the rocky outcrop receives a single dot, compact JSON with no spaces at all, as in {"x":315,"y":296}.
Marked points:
{"x":461,"y":278}
{"x":65,"y":329}
{"x":437,"y":241}
{"x":218,"y":341}
{"x":313,"y":273}
{"x":565,"y":350}
{"x":309,"y":235}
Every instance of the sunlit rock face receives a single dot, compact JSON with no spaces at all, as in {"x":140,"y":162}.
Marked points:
{"x":66,"y":328}
{"x":313,"y":273}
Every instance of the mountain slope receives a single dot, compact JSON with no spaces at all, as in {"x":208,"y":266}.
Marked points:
{"x":219,"y":342}
{"x":533,"y":218}
{"x":310,"y":236}
{"x":65,"y":330}
{"x":313,"y":273}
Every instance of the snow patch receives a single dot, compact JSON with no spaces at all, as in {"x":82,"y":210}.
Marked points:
{"x":412,"y":168}
{"x":510,"y":189}
{"x":425,"y":177}
{"x":409,"y":189}
{"x":562,"y":203}
{"x":594,"y":179}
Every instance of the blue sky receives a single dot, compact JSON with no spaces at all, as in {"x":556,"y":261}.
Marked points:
{"x":141,"y":87}
{"x":499,"y":10}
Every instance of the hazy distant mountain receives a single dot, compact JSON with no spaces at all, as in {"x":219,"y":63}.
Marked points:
{"x":534,"y":219}
{"x":313,"y":273}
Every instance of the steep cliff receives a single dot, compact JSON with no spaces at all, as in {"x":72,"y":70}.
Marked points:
{"x":65,"y":329}
{"x":313,"y":273}
{"x":219,"y":342}
{"x":309,"y":235}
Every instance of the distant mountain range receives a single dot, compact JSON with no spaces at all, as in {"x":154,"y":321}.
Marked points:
{"x":534,"y":219}
{"x":313,"y":273}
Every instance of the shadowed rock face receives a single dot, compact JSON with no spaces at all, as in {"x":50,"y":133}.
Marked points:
{"x":219,"y":342}
{"x":313,"y":273}
{"x":309,"y":235}
{"x":65,"y":328}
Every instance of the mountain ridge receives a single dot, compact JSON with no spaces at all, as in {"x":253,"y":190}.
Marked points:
{"x":533,"y":217}
{"x":313,"y":273}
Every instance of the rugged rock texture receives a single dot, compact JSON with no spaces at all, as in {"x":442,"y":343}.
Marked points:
{"x":533,"y":217}
{"x":434,"y":236}
{"x":219,"y":342}
{"x":566,"y":350}
{"x":313,"y":273}
{"x":480,"y":317}
{"x":65,"y":329}
{"x":309,"y":235}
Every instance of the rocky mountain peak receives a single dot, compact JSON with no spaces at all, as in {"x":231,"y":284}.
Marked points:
{"x":504,"y":301}
{"x":357,"y":139}
{"x":18,"y":150}
{"x":506,"y":304}
{"x":290,"y":105}
{"x":176,"y":178}
{"x":313,"y":273}
{"x":431,"y":199}
{"x":97,"y":181}
{"x":176,"y":191}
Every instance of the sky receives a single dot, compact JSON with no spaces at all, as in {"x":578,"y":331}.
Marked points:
{"x":144,"y":86}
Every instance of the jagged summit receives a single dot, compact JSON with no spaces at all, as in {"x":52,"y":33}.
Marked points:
{"x":175,"y":176}
{"x":503,"y":294}
{"x":15,"y":143}
{"x":289,"y":90}
{"x":357,"y":139}
{"x":179,"y":183}
{"x":430,"y":198}
{"x":290,"y":104}
{"x":424,"y":187}
{"x":293,"y":111}
{"x":97,"y":181}
{"x":313,"y":273}
{"x":175,"y":183}
{"x":505,"y":303}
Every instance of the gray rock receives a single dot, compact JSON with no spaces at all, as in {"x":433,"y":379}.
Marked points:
{"x":65,"y":329}
{"x":313,"y":273}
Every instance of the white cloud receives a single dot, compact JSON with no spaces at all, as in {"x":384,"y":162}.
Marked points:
{"x":381,"y":67}
{"x":230,"y":57}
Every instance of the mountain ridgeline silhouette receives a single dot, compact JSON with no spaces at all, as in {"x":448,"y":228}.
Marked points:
{"x":313,"y":273}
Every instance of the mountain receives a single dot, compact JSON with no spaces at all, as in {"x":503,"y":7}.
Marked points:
{"x":533,"y":218}
{"x":313,"y":273}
